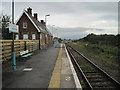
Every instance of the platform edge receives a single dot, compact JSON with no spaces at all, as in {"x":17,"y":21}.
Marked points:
{"x":77,"y":83}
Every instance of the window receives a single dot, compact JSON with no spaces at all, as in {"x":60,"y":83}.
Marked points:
{"x":24,"y":25}
{"x":17,"y":37}
{"x":25,"y":36}
{"x":33,"y":36}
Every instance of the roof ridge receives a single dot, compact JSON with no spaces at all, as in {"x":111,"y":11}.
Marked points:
{"x":46,"y":29}
{"x":38,"y":25}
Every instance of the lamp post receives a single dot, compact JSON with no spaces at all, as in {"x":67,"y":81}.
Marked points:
{"x":53,"y":35}
{"x":52,"y":28}
{"x":56,"y":32}
{"x":46,"y":18}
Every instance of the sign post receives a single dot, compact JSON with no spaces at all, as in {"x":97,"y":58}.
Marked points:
{"x":13,"y":29}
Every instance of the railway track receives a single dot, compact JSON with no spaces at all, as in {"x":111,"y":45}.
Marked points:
{"x":90,"y":75}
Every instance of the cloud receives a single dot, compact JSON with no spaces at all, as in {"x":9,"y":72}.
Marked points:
{"x":64,"y":0}
{"x":73,"y":33}
{"x":104,"y":7}
{"x":110,"y":17}
{"x":76,"y":19}
{"x":80,"y":32}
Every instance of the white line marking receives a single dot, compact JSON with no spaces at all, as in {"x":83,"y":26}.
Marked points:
{"x":77,"y":83}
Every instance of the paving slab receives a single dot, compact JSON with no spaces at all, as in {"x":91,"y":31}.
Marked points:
{"x":67,"y":80}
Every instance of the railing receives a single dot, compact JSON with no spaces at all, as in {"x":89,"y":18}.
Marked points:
{"x":19,"y":45}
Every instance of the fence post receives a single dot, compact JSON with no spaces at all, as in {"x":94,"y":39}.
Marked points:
{"x":25,"y":44}
{"x":14,"y":61}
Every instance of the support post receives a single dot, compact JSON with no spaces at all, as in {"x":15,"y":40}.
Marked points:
{"x":39,"y":41}
{"x":13,"y":53}
{"x":14,"y":61}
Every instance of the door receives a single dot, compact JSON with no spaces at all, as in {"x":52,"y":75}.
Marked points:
{"x":33,"y":37}
{"x":25,"y":36}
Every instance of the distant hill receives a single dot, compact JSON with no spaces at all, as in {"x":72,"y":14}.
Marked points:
{"x":102,"y":39}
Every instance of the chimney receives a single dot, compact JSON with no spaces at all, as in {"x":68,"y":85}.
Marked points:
{"x":35,"y":16}
{"x":42,"y":21}
{"x":29,"y":10}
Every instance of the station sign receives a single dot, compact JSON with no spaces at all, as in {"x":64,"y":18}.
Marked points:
{"x":13,"y":28}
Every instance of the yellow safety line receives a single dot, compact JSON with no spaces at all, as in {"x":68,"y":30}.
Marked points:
{"x":55,"y":79}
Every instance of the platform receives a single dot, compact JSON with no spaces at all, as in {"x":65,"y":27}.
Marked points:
{"x":50,"y":68}
{"x":64,"y":75}
{"x":42,"y":67}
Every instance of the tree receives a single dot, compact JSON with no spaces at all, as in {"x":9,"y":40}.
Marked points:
{"x":5,"y":31}
{"x":107,"y":39}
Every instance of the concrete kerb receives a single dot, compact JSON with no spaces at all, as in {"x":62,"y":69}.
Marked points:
{"x":77,"y":83}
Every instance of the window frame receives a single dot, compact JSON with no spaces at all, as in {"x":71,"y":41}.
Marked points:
{"x":24,"y":25}
{"x":33,"y":36}
{"x":24,"y":36}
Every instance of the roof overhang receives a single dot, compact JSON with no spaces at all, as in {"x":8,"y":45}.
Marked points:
{"x":24,"y":12}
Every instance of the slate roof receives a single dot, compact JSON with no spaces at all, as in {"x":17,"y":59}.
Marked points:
{"x":39,"y":26}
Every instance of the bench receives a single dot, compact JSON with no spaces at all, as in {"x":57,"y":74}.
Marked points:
{"x":25,"y":54}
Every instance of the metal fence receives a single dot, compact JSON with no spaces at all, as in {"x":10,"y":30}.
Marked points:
{"x":19,"y":45}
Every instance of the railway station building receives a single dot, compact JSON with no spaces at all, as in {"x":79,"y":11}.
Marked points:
{"x":30,"y":28}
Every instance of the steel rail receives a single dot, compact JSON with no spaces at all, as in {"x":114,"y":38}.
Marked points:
{"x":95,"y":65}
{"x":79,"y":68}
{"x":116,"y":82}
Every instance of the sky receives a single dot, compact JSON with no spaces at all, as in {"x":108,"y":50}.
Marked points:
{"x":72,"y":20}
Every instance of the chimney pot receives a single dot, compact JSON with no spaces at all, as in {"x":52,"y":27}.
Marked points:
{"x":29,"y":10}
{"x":42,"y":21}
{"x":35,"y":16}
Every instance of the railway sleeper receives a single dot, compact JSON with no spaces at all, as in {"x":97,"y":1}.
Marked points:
{"x":102,"y":84}
{"x":89,"y":72}
{"x":105,"y":88}
{"x":96,"y":80}
{"x":84,"y":69}
{"x":94,"y":76}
